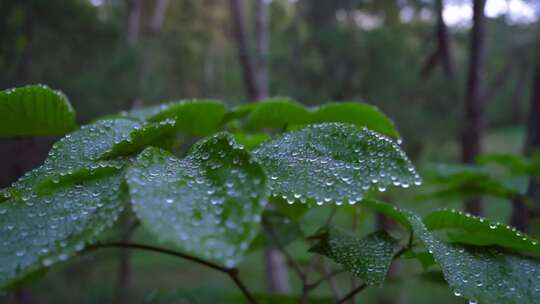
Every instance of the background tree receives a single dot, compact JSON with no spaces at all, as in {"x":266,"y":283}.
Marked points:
{"x":473,"y":127}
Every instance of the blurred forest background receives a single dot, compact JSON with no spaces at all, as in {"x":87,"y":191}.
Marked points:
{"x":445,"y":78}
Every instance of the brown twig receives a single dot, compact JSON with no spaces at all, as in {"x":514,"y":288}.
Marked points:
{"x":315,"y":284}
{"x":290,"y":261}
{"x":331,"y":281}
{"x":231,"y":272}
{"x":352,"y":293}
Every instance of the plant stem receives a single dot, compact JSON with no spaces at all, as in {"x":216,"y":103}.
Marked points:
{"x":352,"y":293}
{"x":322,"y":279}
{"x":231,"y":272}
{"x":285,"y":253}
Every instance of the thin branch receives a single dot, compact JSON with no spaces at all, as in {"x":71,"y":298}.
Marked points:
{"x":311,"y":265}
{"x":231,"y":272}
{"x":285,"y":253}
{"x":234,"y":276}
{"x":331,"y":281}
{"x":305,"y":287}
{"x":353,"y":228}
{"x":315,"y":284}
{"x":331,"y":216}
{"x":352,"y":293}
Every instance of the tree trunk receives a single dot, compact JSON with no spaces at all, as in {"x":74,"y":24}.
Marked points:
{"x":443,"y":41}
{"x":473,"y":120}
{"x":533,"y":126}
{"x":255,"y":74}
{"x":520,"y":213}
{"x":262,"y":29}
{"x":159,"y":15}
{"x":248,"y":65}
{"x":134,"y":21}
{"x":442,"y":53}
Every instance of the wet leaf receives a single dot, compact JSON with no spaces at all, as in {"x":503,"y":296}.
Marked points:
{"x":80,"y":150}
{"x":35,"y":110}
{"x":40,"y":229}
{"x":209,"y":203}
{"x":481,"y":274}
{"x":368,"y":258}
{"x":276,"y":113}
{"x":283,"y":113}
{"x":359,"y":114}
{"x":196,"y":117}
{"x":481,"y":231}
{"x":333,"y":162}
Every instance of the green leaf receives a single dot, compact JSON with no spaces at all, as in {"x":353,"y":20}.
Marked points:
{"x":209,"y":203}
{"x":40,"y":229}
{"x":295,"y":212}
{"x":284,"y":113}
{"x":276,"y":113}
{"x":251,"y":141}
{"x":517,"y":164}
{"x":152,"y":133}
{"x":359,"y":114}
{"x":480,"y":231}
{"x":79,"y":150}
{"x":35,"y":110}
{"x":52,"y":211}
{"x":387,"y":210}
{"x":368,"y":258}
{"x":466,"y":181}
{"x":425,"y":258}
{"x":55,"y":209}
{"x":196,"y":117}
{"x":333,"y":162}
{"x":484,"y":274}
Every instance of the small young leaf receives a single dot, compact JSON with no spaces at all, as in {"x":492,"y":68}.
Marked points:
{"x":209,"y":203}
{"x":197,"y":117}
{"x":35,"y":110}
{"x":368,"y":258}
{"x":480,"y":231}
{"x":333,"y":162}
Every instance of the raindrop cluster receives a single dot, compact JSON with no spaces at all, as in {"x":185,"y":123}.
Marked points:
{"x":79,"y":150}
{"x":368,"y":258}
{"x":334,"y":163}
{"x":209,"y":203}
{"x":486,"y":275}
{"x":507,"y":234}
{"x":42,"y":227}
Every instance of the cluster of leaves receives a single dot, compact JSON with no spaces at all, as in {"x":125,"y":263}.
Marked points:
{"x":504,"y":176}
{"x":213,"y":201}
